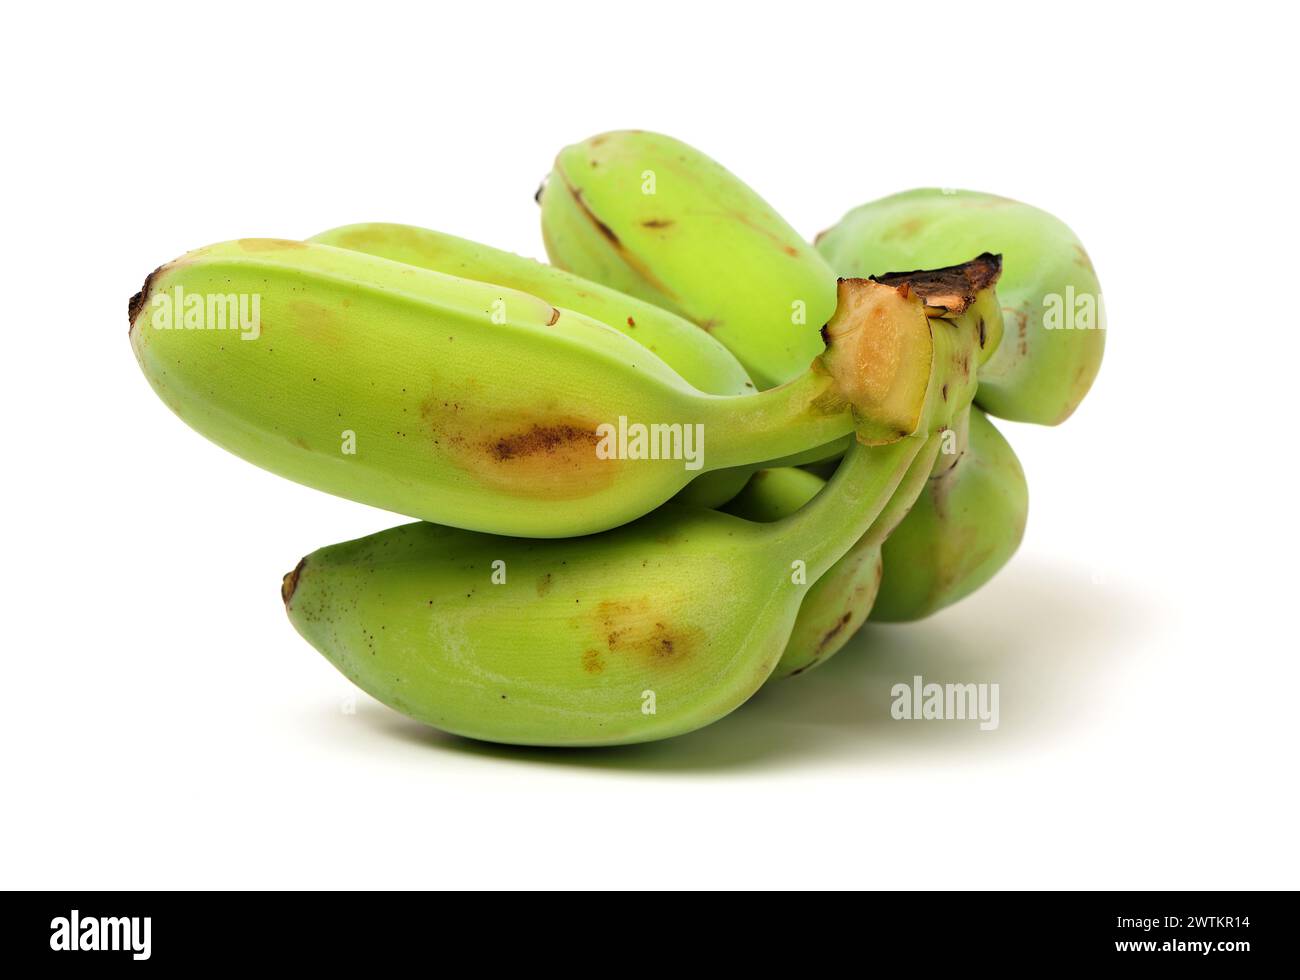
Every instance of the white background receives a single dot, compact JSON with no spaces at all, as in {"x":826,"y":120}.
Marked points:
{"x":161,"y":723}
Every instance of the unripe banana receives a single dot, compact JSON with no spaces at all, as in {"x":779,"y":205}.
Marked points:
{"x":653,"y":217}
{"x":619,"y":637}
{"x":1049,"y":292}
{"x":614,"y":638}
{"x":470,"y":404}
{"x":838,"y":604}
{"x":699,"y":358}
{"x":701,"y":361}
{"x":964,"y":526}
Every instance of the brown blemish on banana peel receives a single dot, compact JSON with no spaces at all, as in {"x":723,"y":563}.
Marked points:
{"x":635,"y":264}
{"x":547,"y":440}
{"x":549,"y":458}
{"x":636,"y":629}
{"x":833,"y":632}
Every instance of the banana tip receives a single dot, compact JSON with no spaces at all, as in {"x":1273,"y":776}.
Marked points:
{"x":137,"y":302}
{"x":290,"y":582}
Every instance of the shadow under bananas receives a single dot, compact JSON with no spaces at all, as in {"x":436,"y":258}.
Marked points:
{"x":1046,"y":634}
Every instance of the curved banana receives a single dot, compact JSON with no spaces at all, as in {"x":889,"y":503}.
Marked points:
{"x":701,"y":360}
{"x":603,"y":640}
{"x":653,"y":217}
{"x":961,"y":530}
{"x":1051,"y":299}
{"x":469,"y":404}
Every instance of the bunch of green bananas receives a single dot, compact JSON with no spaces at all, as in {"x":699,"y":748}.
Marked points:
{"x":619,"y":461}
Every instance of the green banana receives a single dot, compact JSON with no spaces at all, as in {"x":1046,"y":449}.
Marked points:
{"x":701,"y":360}
{"x":839,"y":602}
{"x":469,"y":404}
{"x":614,"y":638}
{"x":619,"y":637}
{"x":1050,"y":295}
{"x":965,"y":526}
{"x":655,"y":218}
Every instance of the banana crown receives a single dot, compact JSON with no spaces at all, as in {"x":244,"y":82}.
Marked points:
{"x":903,"y":347}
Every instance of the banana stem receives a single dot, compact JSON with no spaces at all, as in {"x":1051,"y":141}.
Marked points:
{"x":791,"y":419}
{"x":905,"y":497}
{"x":824,"y":529}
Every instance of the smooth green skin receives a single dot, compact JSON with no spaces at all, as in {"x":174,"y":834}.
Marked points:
{"x":839,"y":602}
{"x":964,"y":526}
{"x":1036,"y":374}
{"x":457,"y":419}
{"x":701,"y":361}
{"x":571,"y":648}
{"x":703,"y":245}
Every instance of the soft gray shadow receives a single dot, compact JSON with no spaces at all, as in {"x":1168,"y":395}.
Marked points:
{"x":1046,"y":634}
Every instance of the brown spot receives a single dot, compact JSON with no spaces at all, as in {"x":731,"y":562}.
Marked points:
{"x":710,"y":324}
{"x":908,"y":229}
{"x":983,"y":334}
{"x":592,"y":663}
{"x":635,"y":628}
{"x":635,"y":264}
{"x":833,"y":632}
{"x":791,"y":251}
{"x":944,"y":392}
{"x":657,"y":223}
{"x":603,"y":228}
{"x":290,"y":583}
{"x":544,"y":584}
{"x":548,"y":457}
{"x":631,"y":322}
{"x":555,"y":316}
{"x":542,"y":439}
